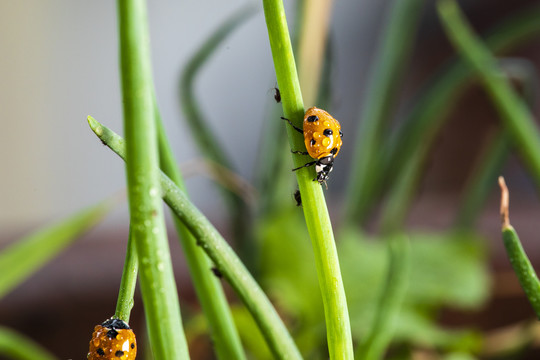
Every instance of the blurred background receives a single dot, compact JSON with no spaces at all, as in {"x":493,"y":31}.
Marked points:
{"x":59,"y":63}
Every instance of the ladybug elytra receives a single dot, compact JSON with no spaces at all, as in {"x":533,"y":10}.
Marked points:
{"x":113,"y":340}
{"x":322,"y":137}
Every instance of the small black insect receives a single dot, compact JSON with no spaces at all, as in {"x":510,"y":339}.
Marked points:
{"x":277,"y":95}
{"x":298,"y":198}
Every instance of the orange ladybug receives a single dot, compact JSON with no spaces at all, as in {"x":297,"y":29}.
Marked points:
{"x":113,"y":340}
{"x":322,"y":137}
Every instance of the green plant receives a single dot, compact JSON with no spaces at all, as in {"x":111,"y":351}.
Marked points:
{"x":382,"y":290}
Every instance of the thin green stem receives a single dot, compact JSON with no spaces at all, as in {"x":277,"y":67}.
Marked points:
{"x":522,"y":267}
{"x":19,"y":347}
{"x":208,"y":144}
{"x":482,"y":179}
{"x":516,"y":254}
{"x":407,"y":151}
{"x":214,"y":304}
{"x":514,"y":112}
{"x":124,"y":304}
{"x":395,"y":208}
{"x":26,"y":256}
{"x":224,"y":258}
{"x":390,"y":61}
{"x":156,"y":278}
{"x":314,"y":205}
{"x":381,"y":332}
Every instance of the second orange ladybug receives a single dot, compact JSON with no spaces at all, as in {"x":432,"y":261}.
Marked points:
{"x":113,"y":340}
{"x":322,"y":137}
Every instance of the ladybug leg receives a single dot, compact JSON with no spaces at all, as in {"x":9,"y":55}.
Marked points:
{"x":305,"y":165}
{"x":300,"y":152}
{"x":294,"y":127}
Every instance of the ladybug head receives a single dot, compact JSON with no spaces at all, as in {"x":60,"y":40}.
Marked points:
{"x":323,"y":167}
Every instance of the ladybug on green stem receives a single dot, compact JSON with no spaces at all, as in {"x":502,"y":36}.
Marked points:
{"x":113,"y":340}
{"x":322,"y":137}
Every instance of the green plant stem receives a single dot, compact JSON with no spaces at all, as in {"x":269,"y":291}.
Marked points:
{"x":124,"y":303}
{"x":19,"y":347}
{"x":395,"y":208}
{"x":522,"y":267}
{"x":518,"y":258}
{"x":390,"y":61}
{"x":381,"y":332}
{"x":26,"y":256}
{"x":156,"y":278}
{"x":224,"y":258}
{"x":209,"y":291}
{"x":314,"y":205}
{"x":482,"y":179}
{"x":207,"y":142}
{"x":407,"y":151}
{"x":514,"y":112}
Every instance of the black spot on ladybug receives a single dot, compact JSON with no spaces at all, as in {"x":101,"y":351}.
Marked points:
{"x":328,"y":132}
{"x":216,"y":272}
{"x":312,"y":118}
{"x":100,"y":352}
{"x":112,"y":334}
{"x":119,"y":353}
{"x":312,"y":142}
{"x":115,"y":324}
{"x":133,"y":345}
{"x":333,"y":151}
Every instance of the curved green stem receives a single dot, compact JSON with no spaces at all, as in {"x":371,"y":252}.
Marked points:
{"x":226,"y":261}
{"x":203,"y":135}
{"x":124,"y":304}
{"x":314,"y":205}
{"x":19,"y":347}
{"x":408,"y":150}
{"x":518,"y":258}
{"x":400,"y":30}
{"x":209,"y":291}
{"x":147,"y":222}
{"x":514,"y":112}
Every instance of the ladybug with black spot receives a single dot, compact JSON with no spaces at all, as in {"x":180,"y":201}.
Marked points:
{"x":113,"y":340}
{"x":322,"y":137}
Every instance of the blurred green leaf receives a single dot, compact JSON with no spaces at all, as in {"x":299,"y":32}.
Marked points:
{"x":446,"y":270}
{"x":27,"y":255}
{"x":19,"y":347}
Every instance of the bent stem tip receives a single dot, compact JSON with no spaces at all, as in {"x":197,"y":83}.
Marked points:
{"x":505,"y":219}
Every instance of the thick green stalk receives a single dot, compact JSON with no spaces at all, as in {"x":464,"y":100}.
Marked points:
{"x":390,"y":61}
{"x":19,"y":347}
{"x":214,"y":304}
{"x":514,"y":112}
{"x":224,"y":258}
{"x":517,"y":256}
{"x":381,"y":332}
{"x":26,"y":256}
{"x":156,"y":277}
{"x":314,"y":205}
{"x":124,"y":304}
